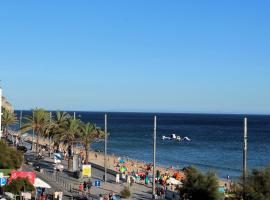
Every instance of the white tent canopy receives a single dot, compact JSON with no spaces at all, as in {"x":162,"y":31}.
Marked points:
{"x":41,"y":184}
{"x":173,"y":181}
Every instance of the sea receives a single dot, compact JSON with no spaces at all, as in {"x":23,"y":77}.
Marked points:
{"x":216,"y":140}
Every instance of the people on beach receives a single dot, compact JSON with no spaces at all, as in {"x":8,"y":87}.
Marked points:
{"x":146,"y":179}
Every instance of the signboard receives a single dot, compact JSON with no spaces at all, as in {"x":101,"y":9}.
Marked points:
{"x":57,"y":158}
{"x":86,"y":170}
{"x":3,"y":181}
{"x":97,"y":183}
{"x":18,"y":174}
{"x":26,"y":195}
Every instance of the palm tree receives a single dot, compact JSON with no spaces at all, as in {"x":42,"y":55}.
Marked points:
{"x":69,"y":135}
{"x":59,"y":125}
{"x":37,"y":122}
{"x":8,"y":119}
{"x":89,"y":133}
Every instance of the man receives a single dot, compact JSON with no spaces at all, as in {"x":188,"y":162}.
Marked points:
{"x":89,"y":185}
{"x":84,"y":186}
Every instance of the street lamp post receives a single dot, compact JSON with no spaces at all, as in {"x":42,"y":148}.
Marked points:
{"x":105,"y":150}
{"x":154,"y":157}
{"x":245,"y":155}
{"x":33,"y":132}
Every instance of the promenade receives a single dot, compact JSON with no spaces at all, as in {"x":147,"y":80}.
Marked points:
{"x":65,"y":182}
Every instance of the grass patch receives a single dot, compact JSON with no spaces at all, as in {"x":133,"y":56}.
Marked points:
{"x":6,"y":171}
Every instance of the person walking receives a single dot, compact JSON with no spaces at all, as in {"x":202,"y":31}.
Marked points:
{"x":84,"y":186}
{"x":89,"y":185}
{"x":81,"y":188}
{"x":100,"y":197}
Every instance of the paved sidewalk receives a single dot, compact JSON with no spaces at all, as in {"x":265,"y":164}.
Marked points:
{"x":65,"y":182}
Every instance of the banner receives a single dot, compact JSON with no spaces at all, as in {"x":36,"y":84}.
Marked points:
{"x":18,"y":174}
{"x":86,"y":170}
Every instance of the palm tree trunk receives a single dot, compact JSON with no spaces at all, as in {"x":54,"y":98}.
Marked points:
{"x":86,"y":154}
{"x":37,"y":142}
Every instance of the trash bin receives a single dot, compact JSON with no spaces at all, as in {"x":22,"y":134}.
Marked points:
{"x":77,"y":174}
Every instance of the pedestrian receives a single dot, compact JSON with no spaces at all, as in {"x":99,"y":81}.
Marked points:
{"x":89,"y":185}
{"x":114,"y":197}
{"x":110,"y":196}
{"x":84,"y":185}
{"x":100,"y":197}
{"x":81,"y":187}
{"x":105,"y":197}
{"x":117,"y":178}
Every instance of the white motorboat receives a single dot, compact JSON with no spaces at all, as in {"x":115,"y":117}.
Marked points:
{"x":175,"y":137}
{"x":165,"y":138}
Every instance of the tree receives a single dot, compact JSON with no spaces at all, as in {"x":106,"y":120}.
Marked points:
{"x":8,"y":118}
{"x":89,"y":133}
{"x":38,"y":121}
{"x":257,"y":185}
{"x":199,"y":186}
{"x":19,"y":185}
{"x":10,"y":158}
{"x":59,"y":125}
{"x":69,"y":135}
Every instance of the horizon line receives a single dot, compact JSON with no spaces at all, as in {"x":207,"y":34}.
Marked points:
{"x":158,"y":112}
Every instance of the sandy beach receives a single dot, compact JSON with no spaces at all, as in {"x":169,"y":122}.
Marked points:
{"x":131,"y":165}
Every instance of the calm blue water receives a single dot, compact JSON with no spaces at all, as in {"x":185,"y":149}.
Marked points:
{"x":216,"y":139}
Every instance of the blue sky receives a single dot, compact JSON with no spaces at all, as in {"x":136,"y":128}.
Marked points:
{"x":154,"y":56}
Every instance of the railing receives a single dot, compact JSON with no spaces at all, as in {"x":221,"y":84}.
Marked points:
{"x":72,"y":188}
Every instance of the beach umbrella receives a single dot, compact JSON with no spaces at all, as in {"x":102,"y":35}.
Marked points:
{"x":122,"y":161}
{"x":141,"y":174}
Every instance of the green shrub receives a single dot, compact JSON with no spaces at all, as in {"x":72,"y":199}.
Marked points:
{"x":19,"y":185}
{"x":10,"y":158}
{"x":125,"y":193}
{"x":257,"y":185}
{"x":199,"y":186}
{"x":6,"y":172}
